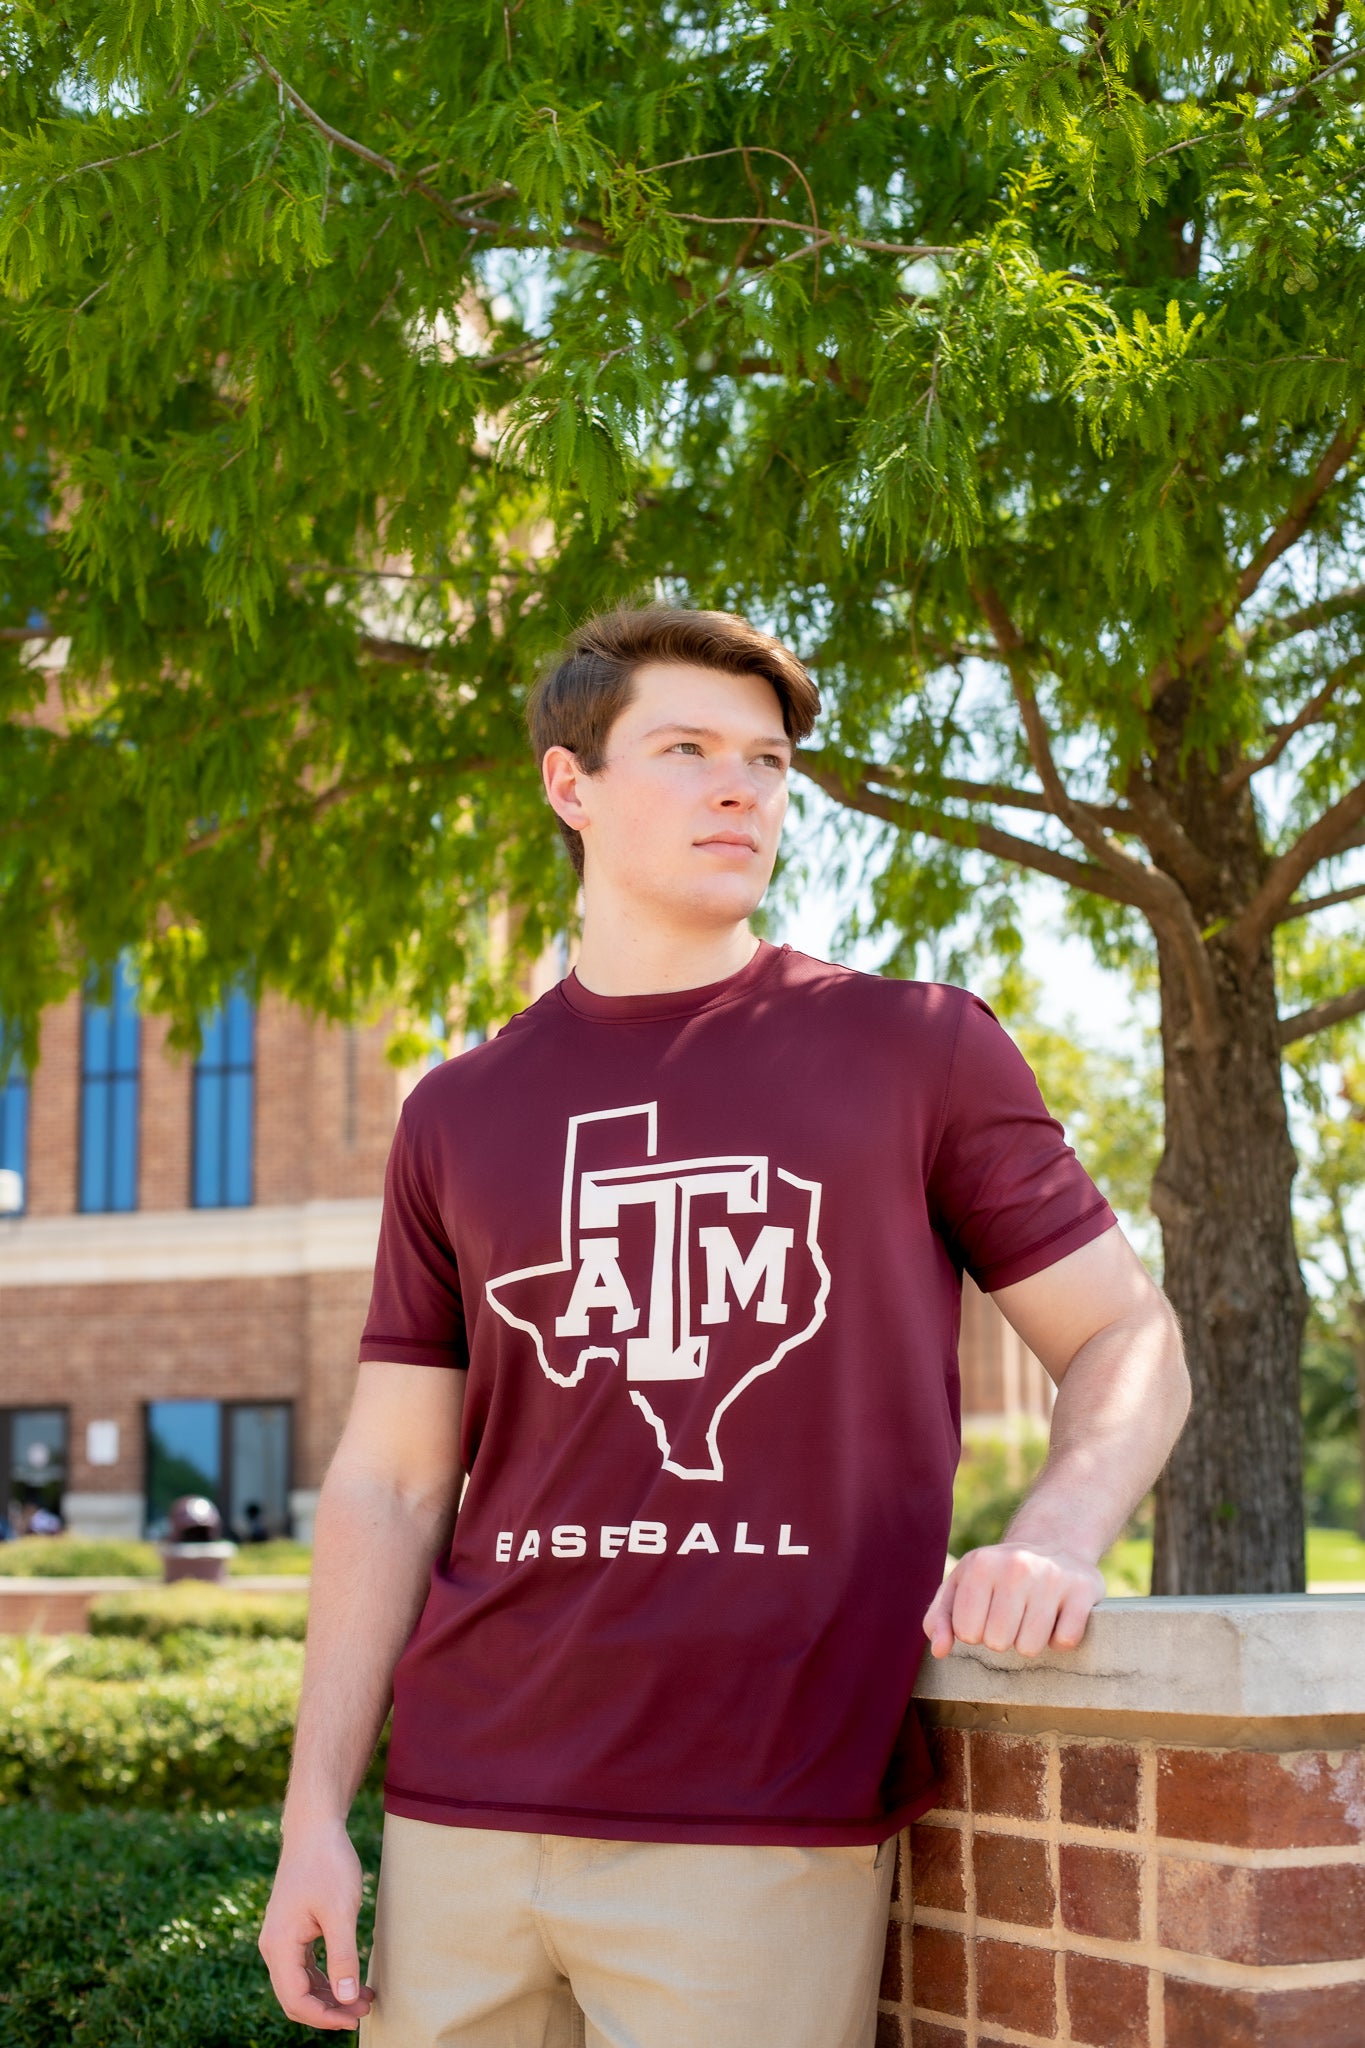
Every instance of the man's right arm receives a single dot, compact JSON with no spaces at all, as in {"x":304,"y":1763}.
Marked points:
{"x":386,"y":1510}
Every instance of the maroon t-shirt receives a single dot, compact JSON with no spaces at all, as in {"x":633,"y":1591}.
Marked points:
{"x":701,"y":1256}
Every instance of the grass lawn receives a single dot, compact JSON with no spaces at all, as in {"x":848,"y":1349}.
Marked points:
{"x":138,"y":1930}
{"x":1333,"y":1554}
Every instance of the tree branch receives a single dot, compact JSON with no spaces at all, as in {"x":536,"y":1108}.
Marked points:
{"x":1322,"y":1015}
{"x":855,"y":795}
{"x":450,"y":210}
{"x":1306,"y":906}
{"x":976,"y":792}
{"x":1238,"y":777}
{"x":1330,"y":834}
{"x":1160,"y":898}
{"x":1216,"y":621}
{"x":1273,"y":630}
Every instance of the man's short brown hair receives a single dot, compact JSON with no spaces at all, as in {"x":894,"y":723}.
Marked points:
{"x":581,"y":695}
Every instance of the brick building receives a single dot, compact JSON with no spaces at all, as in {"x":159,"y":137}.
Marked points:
{"x":182,"y":1290}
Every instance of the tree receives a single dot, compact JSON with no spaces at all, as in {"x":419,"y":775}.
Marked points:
{"x":1328,"y":1092}
{"x":1007,"y":358}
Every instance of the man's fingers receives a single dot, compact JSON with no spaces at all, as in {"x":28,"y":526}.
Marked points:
{"x":938,"y":1622}
{"x":343,"y":1963}
{"x":1074,"y":1614}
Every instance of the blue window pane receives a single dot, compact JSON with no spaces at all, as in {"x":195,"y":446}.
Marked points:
{"x":238,"y":1120}
{"x":208,"y":1139}
{"x":224,"y":1092}
{"x":94,"y":1144}
{"x":98,"y":1039}
{"x":241,"y":1029}
{"x":211,"y":1025}
{"x":123,"y":1144}
{"x":110,"y":1054}
{"x":126,"y":1022}
{"x":14,"y":1124}
{"x":183,"y":1455}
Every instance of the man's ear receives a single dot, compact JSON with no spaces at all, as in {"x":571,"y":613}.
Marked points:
{"x":562,"y":775}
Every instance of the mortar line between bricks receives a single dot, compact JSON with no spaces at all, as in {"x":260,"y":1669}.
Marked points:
{"x":1051,"y":1834}
{"x":1149,"y":1920}
{"x":1182,"y":1962}
{"x":1145,"y":1840}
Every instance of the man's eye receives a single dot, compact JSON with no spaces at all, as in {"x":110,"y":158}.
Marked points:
{"x":772,"y":761}
{"x":686,"y":747}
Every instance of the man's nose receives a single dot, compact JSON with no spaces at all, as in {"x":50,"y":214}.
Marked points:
{"x":736,"y":787}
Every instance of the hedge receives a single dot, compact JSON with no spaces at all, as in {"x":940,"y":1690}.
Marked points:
{"x":98,"y":1557}
{"x":78,"y":1557}
{"x":190,"y":1603}
{"x":138,"y":1930}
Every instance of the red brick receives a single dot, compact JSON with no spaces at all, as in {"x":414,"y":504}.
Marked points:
{"x":1100,"y":1891}
{"x":1009,"y":1776}
{"x":890,"y":2033}
{"x":936,"y":1877}
{"x":949,"y":1746}
{"x":1313,"y":1915}
{"x":1210,"y":2016}
{"x":1012,"y":1879}
{"x":1015,"y":1986}
{"x":1253,"y":1799}
{"x":893,"y":1967}
{"x":938,"y":1970}
{"x":929,"y":2034}
{"x":1107,"y":2002}
{"x":1100,"y":1784}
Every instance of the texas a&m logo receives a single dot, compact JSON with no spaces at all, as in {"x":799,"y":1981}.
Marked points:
{"x":693,"y":1277}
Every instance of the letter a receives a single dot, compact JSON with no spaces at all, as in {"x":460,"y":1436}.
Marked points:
{"x":600,"y":1284}
{"x":698,"y":1537}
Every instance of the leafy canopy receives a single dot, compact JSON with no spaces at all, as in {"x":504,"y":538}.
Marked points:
{"x":1007,"y":358}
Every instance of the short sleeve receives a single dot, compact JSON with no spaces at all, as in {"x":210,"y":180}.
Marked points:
{"x":1006,"y":1191}
{"x":416,"y":1312}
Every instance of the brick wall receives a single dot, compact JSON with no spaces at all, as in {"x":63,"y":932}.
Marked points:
{"x":1078,"y":1888}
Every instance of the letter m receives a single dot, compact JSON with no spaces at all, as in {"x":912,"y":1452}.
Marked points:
{"x":765,"y":1266}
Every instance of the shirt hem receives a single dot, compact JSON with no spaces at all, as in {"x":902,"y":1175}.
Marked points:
{"x":739,"y":1831}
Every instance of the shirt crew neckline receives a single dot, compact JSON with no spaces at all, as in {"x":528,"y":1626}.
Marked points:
{"x":674,"y":1002}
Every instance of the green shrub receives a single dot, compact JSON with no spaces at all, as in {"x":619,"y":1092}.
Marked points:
{"x":191,"y":1604}
{"x":78,"y":1557}
{"x":220,"y":1737}
{"x":189,"y":1719}
{"x":138,"y":1930}
{"x":995,"y":1473}
{"x":280,"y":1556}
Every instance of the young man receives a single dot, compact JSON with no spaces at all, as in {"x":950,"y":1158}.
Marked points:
{"x":671,"y":1270}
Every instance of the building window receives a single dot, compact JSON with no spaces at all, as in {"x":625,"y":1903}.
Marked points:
{"x":33,"y":1467}
{"x":235,"y":1453}
{"x":14,"y":1134}
{"x":111,"y":1044}
{"x":224,"y":1107}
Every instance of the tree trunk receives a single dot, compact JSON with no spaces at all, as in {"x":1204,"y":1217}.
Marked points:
{"x":1229,"y":1508}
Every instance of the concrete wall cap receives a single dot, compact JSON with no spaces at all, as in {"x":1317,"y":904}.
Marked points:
{"x":1254,"y":1656}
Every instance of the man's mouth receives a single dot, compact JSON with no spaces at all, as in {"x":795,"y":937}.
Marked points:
{"x":730,"y":839}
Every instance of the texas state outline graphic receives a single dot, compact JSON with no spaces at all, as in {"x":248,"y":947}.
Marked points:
{"x":722,"y":1276}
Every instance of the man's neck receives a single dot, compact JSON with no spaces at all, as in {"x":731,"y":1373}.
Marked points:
{"x":617,"y":959}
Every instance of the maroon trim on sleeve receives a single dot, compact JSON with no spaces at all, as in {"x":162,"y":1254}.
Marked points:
{"x":403,"y":1351}
{"x":1048,"y":1251}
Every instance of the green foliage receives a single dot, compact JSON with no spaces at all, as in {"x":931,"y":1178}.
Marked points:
{"x":78,"y":1557}
{"x":345,"y":363}
{"x":993,"y":1477}
{"x":120,"y":1928}
{"x":280,"y":1558}
{"x":219,"y":1736}
{"x":190,"y":1604}
{"x":1108,"y":1100}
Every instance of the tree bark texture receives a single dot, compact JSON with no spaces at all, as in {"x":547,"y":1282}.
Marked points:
{"x":1229,"y":1508}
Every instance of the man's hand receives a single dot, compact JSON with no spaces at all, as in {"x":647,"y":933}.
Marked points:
{"x":1014,"y":1596}
{"x":316,"y":1898}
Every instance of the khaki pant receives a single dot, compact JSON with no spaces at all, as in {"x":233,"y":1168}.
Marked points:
{"x":492,"y":1940}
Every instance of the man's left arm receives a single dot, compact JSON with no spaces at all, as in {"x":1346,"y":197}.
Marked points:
{"x":1108,"y":1337}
